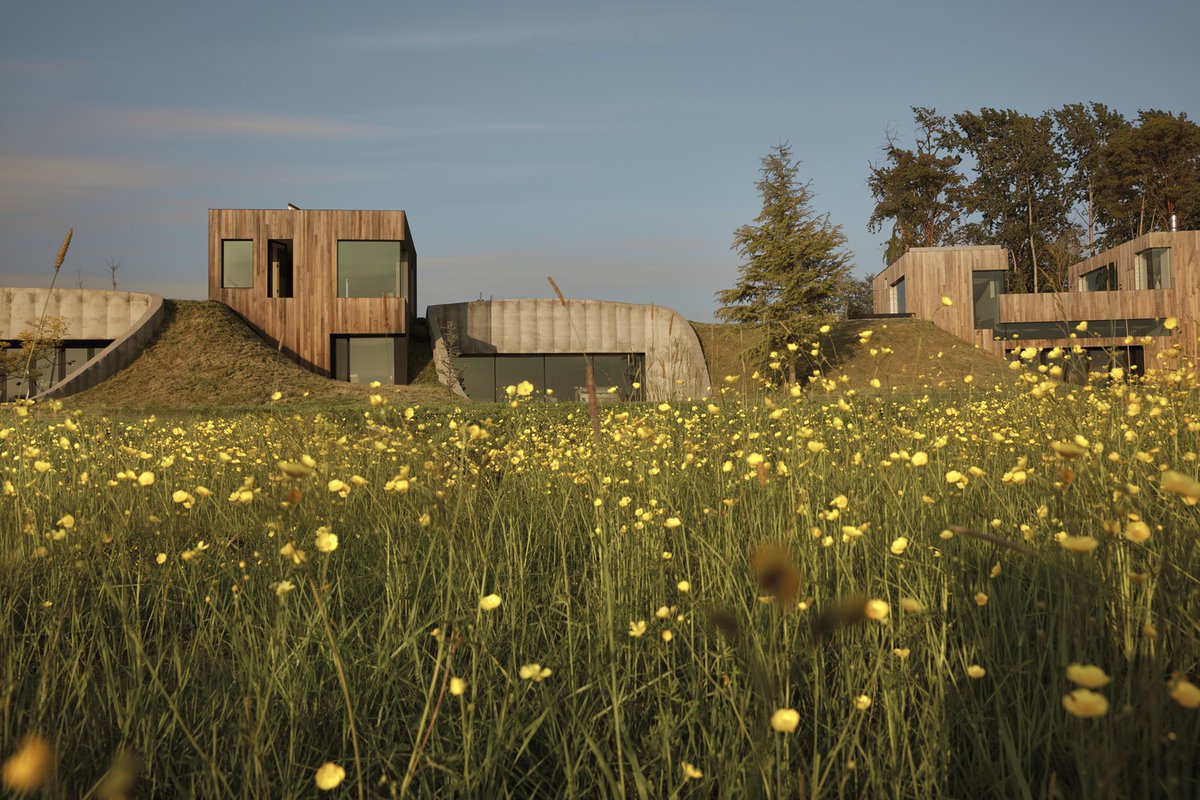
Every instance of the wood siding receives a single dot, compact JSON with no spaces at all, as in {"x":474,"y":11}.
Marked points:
{"x":305,"y":322}
{"x":931,"y":273}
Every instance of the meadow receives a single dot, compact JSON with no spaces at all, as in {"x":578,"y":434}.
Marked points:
{"x":970,"y":592}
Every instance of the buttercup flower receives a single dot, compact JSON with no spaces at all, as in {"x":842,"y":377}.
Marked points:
{"x":1186,"y":693}
{"x":1087,"y":676}
{"x":27,"y":769}
{"x":1085,"y":703}
{"x":535,"y":672}
{"x":329,"y":776}
{"x":877,"y":610}
{"x":490,"y":602}
{"x":785,"y":720}
{"x":327,"y":540}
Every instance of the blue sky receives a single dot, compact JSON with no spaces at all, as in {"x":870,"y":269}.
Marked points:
{"x":612,"y":146}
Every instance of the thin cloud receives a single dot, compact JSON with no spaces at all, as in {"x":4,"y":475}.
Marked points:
{"x":225,"y":123}
{"x":34,"y":182}
{"x":187,"y":121}
{"x":457,"y":38}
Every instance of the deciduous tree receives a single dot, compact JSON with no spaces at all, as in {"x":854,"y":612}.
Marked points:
{"x":1018,"y":190}
{"x":920,"y":191}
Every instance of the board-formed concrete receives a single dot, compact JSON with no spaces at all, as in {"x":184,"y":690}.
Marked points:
{"x":129,"y":319}
{"x":674,"y":366}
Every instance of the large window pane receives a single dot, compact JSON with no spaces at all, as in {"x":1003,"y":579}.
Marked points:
{"x":363,"y":359}
{"x":987,"y":288}
{"x":511,"y":370}
{"x":237,"y":263}
{"x":1154,"y":268}
{"x":1103,"y":279}
{"x":478,"y":374}
{"x":565,"y":377}
{"x":372,"y":359}
{"x":619,"y":372}
{"x":369,"y":269}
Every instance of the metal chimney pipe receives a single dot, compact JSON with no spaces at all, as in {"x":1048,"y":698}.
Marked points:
{"x":1172,"y":223}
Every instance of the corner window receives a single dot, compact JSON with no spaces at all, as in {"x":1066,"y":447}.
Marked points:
{"x":237,"y":263}
{"x":1154,"y":268}
{"x":371,"y":269}
{"x":1103,"y":279}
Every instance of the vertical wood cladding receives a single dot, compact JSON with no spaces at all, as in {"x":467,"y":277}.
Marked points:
{"x":931,"y":273}
{"x":305,"y":321}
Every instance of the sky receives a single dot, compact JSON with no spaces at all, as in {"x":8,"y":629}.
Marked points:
{"x":612,"y":146}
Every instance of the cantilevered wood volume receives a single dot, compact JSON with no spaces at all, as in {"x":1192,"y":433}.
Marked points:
{"x":334,"y":289}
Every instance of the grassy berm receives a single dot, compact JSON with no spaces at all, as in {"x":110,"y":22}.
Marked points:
{"x":206,"y":358}
{"x":974,"y":592}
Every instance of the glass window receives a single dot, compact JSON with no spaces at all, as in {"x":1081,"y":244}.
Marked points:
{"x":511,"y":370}
{"x":899,"y":301}
{"x":237,"y":263}
{"x":363,"y":359}
{"x":986,"y":287}
{"x":1096,"y":328}
{"x":370,"y":269}
{"x":279,"y":268}
{"x":1154,"y":268}
{"x":566,"y":376}
{"x":478,"y":374}
{"x":558,"y":377}
{"x":619,"y":372}
{"x":1103,"y":279}
{"x":73,"y":358}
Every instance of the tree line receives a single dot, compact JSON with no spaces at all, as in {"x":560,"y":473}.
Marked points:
{"x":1051,"y":188}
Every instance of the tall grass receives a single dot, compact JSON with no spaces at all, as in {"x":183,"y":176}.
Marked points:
{"x":221,"y":682}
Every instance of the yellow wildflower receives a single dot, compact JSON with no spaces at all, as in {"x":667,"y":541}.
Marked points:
{"x":329,"y":776}
{"x":1085,"y":703}
{"x":27,"y":768}
{"x":490,"y":602}
{"x":1186,"y":693}
{"x":1087,"y":676}
{"x":785,"y":720}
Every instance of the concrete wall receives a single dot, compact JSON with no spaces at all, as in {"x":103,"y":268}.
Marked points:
{"x":130,"y":319}
{"x":675,"y":365}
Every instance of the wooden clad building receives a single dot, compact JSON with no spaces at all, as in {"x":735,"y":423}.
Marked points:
{"x":1114,"y":311}
{"x":335,"y":289}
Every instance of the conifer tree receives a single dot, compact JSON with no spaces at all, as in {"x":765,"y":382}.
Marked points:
{"x":795,"y":266}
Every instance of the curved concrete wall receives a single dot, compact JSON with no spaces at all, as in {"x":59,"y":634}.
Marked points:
{"x":129,"y":319}
{"x":675,"y":365}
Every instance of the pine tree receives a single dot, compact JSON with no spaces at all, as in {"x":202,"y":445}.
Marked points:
{"x":795,"y":267}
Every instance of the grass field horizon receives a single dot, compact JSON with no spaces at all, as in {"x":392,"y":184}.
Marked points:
{"x":840,"y":592}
